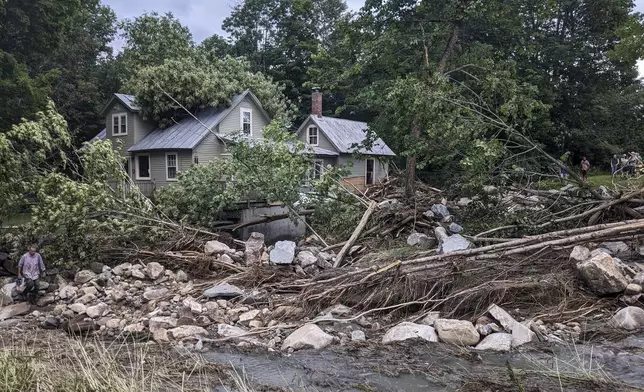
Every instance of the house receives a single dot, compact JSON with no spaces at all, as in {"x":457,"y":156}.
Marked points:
{"x":336,"y":141}
{"x":155,"y":156}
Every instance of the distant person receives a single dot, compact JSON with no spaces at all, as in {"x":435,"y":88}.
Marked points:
{"x":30,"y":268}
{"x":633,"y":160}
{"x":564,"y":161}
{"x":623,"y":165}
{"x":585,"y":167}
{"x":614,"y":165}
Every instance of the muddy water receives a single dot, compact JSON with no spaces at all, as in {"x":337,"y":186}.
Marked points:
{"x":433,"y":367}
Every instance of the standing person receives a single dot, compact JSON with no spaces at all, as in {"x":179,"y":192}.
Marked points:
{"x":585,"y":167}
{"x":31,"y":267}
{"x":564,"y":160}
{"x":614,"y":164}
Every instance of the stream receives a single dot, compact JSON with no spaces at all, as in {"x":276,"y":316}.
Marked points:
{"x":428,"y":367}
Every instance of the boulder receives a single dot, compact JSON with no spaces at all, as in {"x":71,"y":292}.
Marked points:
{"x":407,"y":330}
{"x":138,"y":274}
{"x":602,"y":275}
{"x":617,"y":248}
{"x":98,"y":310}
{"x":91,"y":290}
{"x":441,"y":234}
{"x":160,"y":335}
{"x":104,"y":278}
{"x":430,"y":318}
{"x":254,"y":248}
{"x":459,"y":332}
{"x":629,"y":318}
{"x":223,"y":290}
{"x":14,"y":310}
{"x":84,"y":276}
{"x":306,"y":259}
{"x":440,"y":211}
{"x":67,"y":292}
{"x":421,"y":240}
{"x":639,"y":279}
{"x":86,"y":299}
{"x":283,"y":253}
{"x":307,"y":336}
{"x":121,"y":268}
{"x":96,"y":267}
{"x":181,"y":276}
{"x":154,"y":270}
{"x":46,"y":300}
{"x":155,"y":294}
{"x":246,"y":317}
{"x":113,"y":323}
{"x":455,"y":228}
{"x":389,"y":204}
{"x":633,"y":289}
{"x":50,"y":323}
{"x":162,"y":323}
{"x":455,"y":243}
{"x":78,"y":308}
{"x":216,"y":248}
{"x":521,"y":334}
{"x":6,"y":296}
{"x":357,"y":336}
{"x":187,"y":331}
{"x":496,"y":342}
{"x":579,"y":254}
{"x":134,"y":328}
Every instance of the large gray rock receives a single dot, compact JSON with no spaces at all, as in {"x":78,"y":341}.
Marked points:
{"x":459,"y":332}
{"x":121,"y":268}
{"x":521,"y":334}
{"x":84,"y":276}
{"x":307,"y":336}
{"x":68,"y":292}
{"x":440,"y":211}
{"x":306,"y":258}
{"x":254,"y":248}
{"x":421,"y":240}
{"x":78,"y":308}
{"x":455,"y":243}
{"x":617,"y":248}
{"x":216,"y":248}
{"x":237,"y":334}
{"x":602,"y":275}
{"x":441,"y":234}
{"x":407,"y":330}
{"x":283,"y":253}
{"x":98,"y":310}
{"x":224,"y":291}
{"x":496,"y":342}
{"x":162,"y":322}
{"x":579,"y":254}
{"x":155,"y":294}
{"x":455,"y":228}
{"x":154,"y":270}
{"x":14,"y":310}
{"x":629,"y":318}
{"x":187,"y":331}
{"x":633,"y":289}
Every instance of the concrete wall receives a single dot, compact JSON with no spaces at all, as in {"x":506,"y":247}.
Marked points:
{"x":284,"y":229}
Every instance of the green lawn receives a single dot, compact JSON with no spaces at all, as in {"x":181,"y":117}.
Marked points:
{"x":597,"y":180}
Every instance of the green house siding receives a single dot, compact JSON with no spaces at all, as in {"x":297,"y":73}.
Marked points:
{"x":126,"y":140}
{"x":158,"y":174}
{"x":323,"y":142}
{"x":359,"y":167}
{"x":209,"y":149}
{"x":232,"y":122}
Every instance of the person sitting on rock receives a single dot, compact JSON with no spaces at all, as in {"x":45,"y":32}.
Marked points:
{"x":30,"y":268}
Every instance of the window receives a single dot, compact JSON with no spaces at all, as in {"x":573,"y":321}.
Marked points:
{"x":246,"y":119}
{"x":317,"y":168}
{"x":370,"y":169}
{"x":313,"y":136}
{"x":195,"y":159}
{"x":171,"y":166}
{"x":143,"y":167}
{"x":119,"y":124}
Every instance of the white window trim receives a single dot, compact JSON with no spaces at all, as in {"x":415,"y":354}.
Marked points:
{"x":118,"y":116}
{"x":308,"y":135}
{"x":311,"y":174}
{"x":136,"y":169}
{"x":176,"y":162}
{"x":241,"y":120}
{"x":373,"y":179}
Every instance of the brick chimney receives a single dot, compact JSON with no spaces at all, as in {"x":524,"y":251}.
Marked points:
{"x":316,"y":103}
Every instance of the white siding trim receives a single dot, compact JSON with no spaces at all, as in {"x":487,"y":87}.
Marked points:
{"x":317,"y":135}
{"x":242,"y":110}
{"x":118,"y":117}
{"x":176,"y":166}
{"x":149,"y":167}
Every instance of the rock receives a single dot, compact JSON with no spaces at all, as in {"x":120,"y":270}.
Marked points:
{"x":496,"y":342}
{"x":490,"y":189}
{"x":84,"y":276}
{"x":421,"y":240}
{"x":7,"y":294}
{"x":118,"y":295}
{"x":631,"y":299}
{"x":162,"y":323}
{"x":46,"y":300}
{"x":44,"y":285}
{"x":187,"y":331}
{"x":441,"y":234}
{"x":98,"y":310}
{"x":338,"y":310}
{"x":160,"y":335}
{"x":113,"y":323}
{"x":283,"y":253}
{"x":629,"y":318}
{"x":226,"y":259}
{"x":192,"y":304}
{"x":455,"y":243}
{"x":324,"y":264}
{"x":67,"y":292}
{"x":599,"y":251}
{"x":407,"y":330}
{"x":579,"y":254}
{"x":50,"y":323}
{"x":464,"y":202}
{"x":358,"y":336}
{"x":155,"y":294}
{"x":430,"y":318}
{"x":154,"y":270}
{"x":256,"y":324}
{"x":248,"y":316}
{"x":14,"y":310}
{"x":455,"y":228}
{"x":458,"y":332}
{"x":521,"y":335}
{"x":78,"y":308}
{"x":223,"y":290}
{"x":440,"y":211}
{"x":138,"y":274}
{"x":389,"y":204}
{"x":617,"y":248}
{"x":134,"y":328}
{"x":91,"y":290}
{"x":96,"y":267}
{"x":121,"y":268}
{"x":602,"y":275}
{"x":633,"y":289}
{"x":287,"y":312}
{"x":254,"y":248}
{"x":59,"y":309}
{"x":181,"y":276}
{"x":639,"y":279}
{"x":104,"y":277}
{"x":216,"y":248}
{"x":306,"y":259}
{"x":307,"y":336}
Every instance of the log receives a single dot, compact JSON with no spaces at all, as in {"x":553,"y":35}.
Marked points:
{"x":356,"y":234}
{"x":264,"y":219}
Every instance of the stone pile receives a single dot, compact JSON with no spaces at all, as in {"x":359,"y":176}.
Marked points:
{"x":446,"y":236}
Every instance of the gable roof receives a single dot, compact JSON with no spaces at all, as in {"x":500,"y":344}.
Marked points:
{"x":188,"y":133}
{"x":125,"y":99}
{"x":99,"y":136}
{"x":343,"y":134}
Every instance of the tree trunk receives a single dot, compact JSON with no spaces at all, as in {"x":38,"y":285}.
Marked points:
{"x":449,"y":48}
{"x":410,"y":185}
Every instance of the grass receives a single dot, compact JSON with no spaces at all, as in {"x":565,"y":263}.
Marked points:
{"x":597,"y":180}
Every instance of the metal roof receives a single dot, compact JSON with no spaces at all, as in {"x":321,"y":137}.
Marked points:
{"x":187,"y":133}
{"x":100,"y":136}
{"x":343,"y":134}
{"x":128,"y":100}
{"x":322,"y":151}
